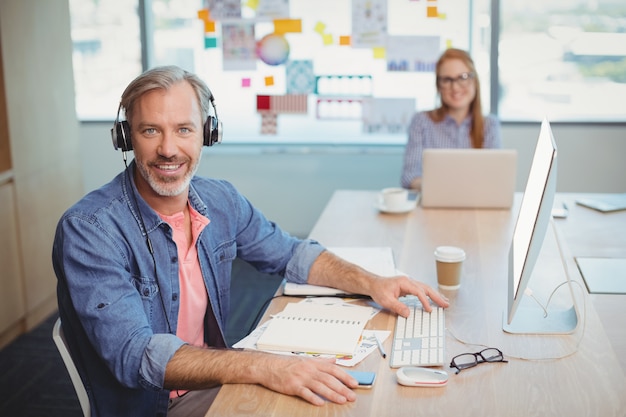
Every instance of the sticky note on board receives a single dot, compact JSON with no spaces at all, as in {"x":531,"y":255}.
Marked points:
{"x":269,"y":81}
{"x":253,"y":4}
{"x":287,"y":26}
{"x":345,"y":40}
{"x":209,"y":26}
{"x":210,"y":42}
{"x":431,"y":11}
{"x":246,"y":82}
{"x":320,"y":28}
{"x":379,"y":52}
{"x":327,"y":39}
{"x":203,"y":14}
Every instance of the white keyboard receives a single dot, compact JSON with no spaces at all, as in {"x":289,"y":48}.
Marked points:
{"x":418,"y":340}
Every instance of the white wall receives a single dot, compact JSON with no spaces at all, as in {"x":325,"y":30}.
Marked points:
{"x":291,"y":185}
{"x":45,"y":174}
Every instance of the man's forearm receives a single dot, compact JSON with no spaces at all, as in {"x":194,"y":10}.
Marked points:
{"x":198,"y":368}
{"x":333,"y":271}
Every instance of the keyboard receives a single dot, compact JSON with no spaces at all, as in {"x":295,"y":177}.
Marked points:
{"x":418,"y":340}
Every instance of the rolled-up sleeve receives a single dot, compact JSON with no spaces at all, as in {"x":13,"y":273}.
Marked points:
{"x":300,"y":263}
{"x":157,"y":354}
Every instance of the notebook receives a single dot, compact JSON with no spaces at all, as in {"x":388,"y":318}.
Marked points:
{"x":468,"y":178}
{"x":316,"y":328}
{"x":378,"y":260}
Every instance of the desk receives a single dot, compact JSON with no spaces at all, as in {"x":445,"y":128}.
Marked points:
{"x":589,"y":233}
{"x":589,"y":382}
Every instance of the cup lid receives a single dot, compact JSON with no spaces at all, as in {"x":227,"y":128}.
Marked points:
{"x":449,"y":254}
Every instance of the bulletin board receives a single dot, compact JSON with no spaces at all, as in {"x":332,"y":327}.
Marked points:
{"x":325,"y":71}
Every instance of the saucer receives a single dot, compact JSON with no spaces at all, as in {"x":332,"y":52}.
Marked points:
{"x":405,"y":208}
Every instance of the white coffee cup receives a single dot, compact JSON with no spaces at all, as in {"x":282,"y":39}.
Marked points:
{"x":449,"y":260}
{"x":395,"y":198}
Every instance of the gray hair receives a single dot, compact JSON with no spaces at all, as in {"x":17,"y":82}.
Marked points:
{"x":162,"y":78}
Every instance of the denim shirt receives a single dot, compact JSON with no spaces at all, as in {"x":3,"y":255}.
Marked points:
{"x":119,"y":304}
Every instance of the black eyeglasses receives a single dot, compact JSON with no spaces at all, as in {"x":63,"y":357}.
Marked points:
{"x":462,"y":80}
{"x":469,"y":360}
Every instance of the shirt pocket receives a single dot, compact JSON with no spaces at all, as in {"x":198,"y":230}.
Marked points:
{"x":225,"y":253}
{"x":223,"y":257}
{"x":146,"y":287}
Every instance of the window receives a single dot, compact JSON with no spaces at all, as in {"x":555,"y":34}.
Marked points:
{"x":107,"y":54}
{"x":175,"y":35}
{"x":177,"y":38}
{"x":564,"y":59}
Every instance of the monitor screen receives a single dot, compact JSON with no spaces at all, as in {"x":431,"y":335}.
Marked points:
{"x":534,"y":216}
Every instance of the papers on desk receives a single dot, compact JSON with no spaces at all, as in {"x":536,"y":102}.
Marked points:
{"x":378,"y":260}
{"x":603,"y":275}
{"x":366,"y":344}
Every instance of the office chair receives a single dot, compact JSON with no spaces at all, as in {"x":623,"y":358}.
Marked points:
{"x":59,"y":341}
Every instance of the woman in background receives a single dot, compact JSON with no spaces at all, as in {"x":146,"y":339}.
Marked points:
{"x":457,"y":123}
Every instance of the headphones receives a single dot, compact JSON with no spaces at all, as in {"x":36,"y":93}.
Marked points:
{"x":120,"y":132}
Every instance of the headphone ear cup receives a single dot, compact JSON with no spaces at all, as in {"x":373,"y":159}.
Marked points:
{"x":121,"y":136}
{"x":212,"y":131}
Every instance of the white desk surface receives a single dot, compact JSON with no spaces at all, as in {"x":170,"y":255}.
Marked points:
{"x":587,"y":380}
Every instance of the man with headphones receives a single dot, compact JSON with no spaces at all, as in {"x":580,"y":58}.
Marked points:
{"x":144,"y":265}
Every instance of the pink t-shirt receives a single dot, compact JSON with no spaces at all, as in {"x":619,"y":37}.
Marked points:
{"x":194,"y":300}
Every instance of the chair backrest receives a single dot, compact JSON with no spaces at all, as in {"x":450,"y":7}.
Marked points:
{"x":59,"y":341}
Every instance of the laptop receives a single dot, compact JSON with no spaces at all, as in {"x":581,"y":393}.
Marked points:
{"x":468,"y":178}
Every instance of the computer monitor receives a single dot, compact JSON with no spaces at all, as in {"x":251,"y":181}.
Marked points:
{"x":534,"y":216}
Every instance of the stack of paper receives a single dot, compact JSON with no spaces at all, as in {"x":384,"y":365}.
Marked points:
{"x":316,"y":328}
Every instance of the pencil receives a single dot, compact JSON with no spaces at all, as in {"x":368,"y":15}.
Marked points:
{"x":380,"y":346}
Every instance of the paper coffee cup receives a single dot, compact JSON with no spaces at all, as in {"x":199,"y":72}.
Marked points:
{"x":449,"y":260}
{"x":394,"y":198}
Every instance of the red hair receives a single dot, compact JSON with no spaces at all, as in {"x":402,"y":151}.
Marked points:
{"x":477,"y":133}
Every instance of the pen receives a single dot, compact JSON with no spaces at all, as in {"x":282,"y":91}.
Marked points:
{"x":380,"y":346}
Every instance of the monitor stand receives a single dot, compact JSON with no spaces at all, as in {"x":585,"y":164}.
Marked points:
{"x":529,"y":320}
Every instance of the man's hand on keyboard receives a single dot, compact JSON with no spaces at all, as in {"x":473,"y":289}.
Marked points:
{"x":386,"y":291}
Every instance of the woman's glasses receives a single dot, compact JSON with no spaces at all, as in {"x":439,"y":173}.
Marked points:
{"x":469,"y":360}
{"x":462,"y":80}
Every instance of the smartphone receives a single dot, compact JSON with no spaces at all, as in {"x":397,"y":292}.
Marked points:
{"x":365,"y":379}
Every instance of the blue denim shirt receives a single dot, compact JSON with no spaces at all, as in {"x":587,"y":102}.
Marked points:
{"x":119,"y":308}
